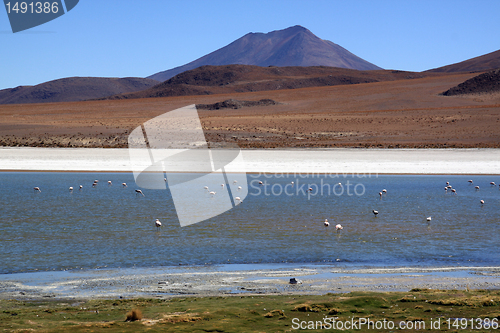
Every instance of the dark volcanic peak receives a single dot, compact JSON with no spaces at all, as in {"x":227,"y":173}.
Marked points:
{"x":73,"y":89}
{"x":477,"y":64}
{"x":294,"y":46}
{"x":246,"y":78}
{"x":484,"y":83}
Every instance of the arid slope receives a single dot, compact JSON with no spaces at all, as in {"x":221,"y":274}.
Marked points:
{"x":399,"y":113}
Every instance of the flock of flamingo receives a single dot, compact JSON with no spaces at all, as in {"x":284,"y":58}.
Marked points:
{"x":338,"y":227}
{"x":94,"y":184}
{"x":213,"y":193}
{"x":447,"y":188}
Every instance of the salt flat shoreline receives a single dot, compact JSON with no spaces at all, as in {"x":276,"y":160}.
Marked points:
{"x":481,"y":161}
{"x":267,"y":279}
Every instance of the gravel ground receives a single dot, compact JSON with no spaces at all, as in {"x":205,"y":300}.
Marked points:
{"x":168,"y":282}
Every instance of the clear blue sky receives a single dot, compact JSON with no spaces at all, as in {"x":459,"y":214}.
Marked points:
{"x":119,"y":38}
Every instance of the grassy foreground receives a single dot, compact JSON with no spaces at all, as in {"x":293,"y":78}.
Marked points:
{"x":262,"y":313}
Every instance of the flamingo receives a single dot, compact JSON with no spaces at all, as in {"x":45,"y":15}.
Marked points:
{"x":482,"y":202}
{"x":326,"y":224}
{"x":454,"y":191}
{"x":310,"y":189}
{"x":260,"y":182}
{"x":235,"y":181}
{"x":492,"y":183}
{"x":157,"y":223}
{"x":446,"y":189}
{"x":124,"y":184}
{"x":470,"y":181}
{"x":447,"y":183}
{"x":339,"y":227}
{"x":94,"y":185}
{"x":239,"y":188}
{"x":139,"y":192}
{"x":339,"y":184}
{"x":165,"y":180}
{"x":205,"y":187}
{"x":238,"y":199}
{"x":375,"y":212}
{"x":109,"y":182}
{"x":380,"y":194}
{"x":384,"y":191}
{"x":71,"y":188}
{"x":449,"y":186}
{"x":37,"y":189}
{"x":81,"y":186}
{"x":222,"y":185}
{"x":212,"y":193}
{"x":476,"y":187}
{"x":292,"y":183}
{"x":96,"y":181}
{"x":429,"y":219}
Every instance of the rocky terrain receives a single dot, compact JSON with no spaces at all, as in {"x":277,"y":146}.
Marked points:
{"x":488,"y":82}
{"x":235,"y":104}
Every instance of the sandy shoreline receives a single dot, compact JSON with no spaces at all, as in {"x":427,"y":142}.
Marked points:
{"x":164,"y":282}
{"x":335,"y":160}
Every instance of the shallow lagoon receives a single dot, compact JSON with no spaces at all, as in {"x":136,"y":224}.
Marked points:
{"x":111,"y":226}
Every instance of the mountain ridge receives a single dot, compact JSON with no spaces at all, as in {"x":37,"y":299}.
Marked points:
{"x":208,"y":80}
{"x":73,"y":89}
{"x":480,"y":63}
{"x":293,"y":46}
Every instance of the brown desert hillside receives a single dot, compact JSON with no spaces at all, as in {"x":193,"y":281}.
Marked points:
{"x":478,"y":64}
{"x":209,"y":80}
{"x":397,"y":113}
{"x":73,"y":89}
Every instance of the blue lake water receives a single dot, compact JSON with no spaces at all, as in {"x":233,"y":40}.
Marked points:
{"x":111,"y":226}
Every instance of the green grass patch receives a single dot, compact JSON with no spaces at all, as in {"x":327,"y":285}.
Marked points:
{"x":244,"y":313}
